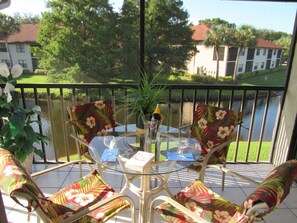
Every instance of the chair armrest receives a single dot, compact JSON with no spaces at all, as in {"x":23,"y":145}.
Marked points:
{"x":177,"y":205}
{"x":209,"y":154}
{"x":79,"y":140}
{"x":93,"y":207}
{"x":59,"y":166}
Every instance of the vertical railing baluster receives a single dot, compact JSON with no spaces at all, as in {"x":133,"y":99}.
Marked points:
{"x":51,"y":118}
{"x":23,"y":97}
{"x":64,"y":124}
{"x":169,"y":109}
{"x":195,"y":100}
{"x":231,"y":99}
{"x":251,"y":126}
{"x":74,"y":101}
{"x":219,"y":98}
{"x":39,"y":119}
{"x":263,"y":124}
{"x":181,"y":108}
{"x":239,"y":126}
{"x":207,"y":96}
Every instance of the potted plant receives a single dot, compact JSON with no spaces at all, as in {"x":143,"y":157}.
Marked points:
{"x":16,"y":133}
{"x":142,"y":101}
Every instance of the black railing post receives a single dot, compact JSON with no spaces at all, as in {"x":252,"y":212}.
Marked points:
{"x":141,"y":39}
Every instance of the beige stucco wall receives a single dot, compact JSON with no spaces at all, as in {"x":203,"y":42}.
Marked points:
{"x":287,"y":118}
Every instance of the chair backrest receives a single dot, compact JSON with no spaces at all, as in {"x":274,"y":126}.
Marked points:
{"x":272,"y":191}
{"x":213,"y":126}
{"x":90,"y":120}
{"x":18,"y":184}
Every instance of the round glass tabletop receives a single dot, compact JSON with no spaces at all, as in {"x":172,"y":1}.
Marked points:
{"x":106,"y":150}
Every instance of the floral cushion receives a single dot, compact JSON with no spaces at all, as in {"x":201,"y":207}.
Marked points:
{"x":213,"y":208}
{"x":273,"y":190}
{"x":200,"y":200}
{"x":15,"y":181}
{"x":213,"y":126}
{"x":91,"y":189}
{"x":87,"y":191}
{"x":90,"y":120}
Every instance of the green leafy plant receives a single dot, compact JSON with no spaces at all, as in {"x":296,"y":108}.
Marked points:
{"x":143,"y":100}
{"x":16,"y":132}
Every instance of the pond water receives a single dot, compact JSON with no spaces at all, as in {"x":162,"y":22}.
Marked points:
{"x":57,"y":128}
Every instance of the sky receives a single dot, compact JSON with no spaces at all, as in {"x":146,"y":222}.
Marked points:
{"x":276,"y":16}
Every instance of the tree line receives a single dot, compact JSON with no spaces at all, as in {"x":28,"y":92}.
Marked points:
{"x":89,"y":41}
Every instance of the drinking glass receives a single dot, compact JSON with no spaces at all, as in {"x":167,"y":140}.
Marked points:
{"x":182,"y":144}
{"x":109,"y":141}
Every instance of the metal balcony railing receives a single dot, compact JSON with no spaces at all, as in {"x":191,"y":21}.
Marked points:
{"x":254,"y":138}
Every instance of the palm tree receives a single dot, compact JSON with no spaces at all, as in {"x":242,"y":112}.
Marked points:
{"x":217,"y":36}
{"x":244,"y":36}
{"x":8,"y":26}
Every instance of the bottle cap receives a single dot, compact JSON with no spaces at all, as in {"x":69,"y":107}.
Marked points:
{"x":157,"y":110}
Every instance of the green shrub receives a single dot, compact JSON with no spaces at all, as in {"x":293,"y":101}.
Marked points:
{"x":40,"y":72}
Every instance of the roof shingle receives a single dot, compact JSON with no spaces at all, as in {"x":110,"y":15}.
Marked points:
{"x":199,"y":34}
{"x":28,"y":33}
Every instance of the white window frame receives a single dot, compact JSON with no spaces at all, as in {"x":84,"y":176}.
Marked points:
{"x":240,"y":68}
{"x":23,"y":63}
{"x":20,"y":48}
{"x":6,"y":61}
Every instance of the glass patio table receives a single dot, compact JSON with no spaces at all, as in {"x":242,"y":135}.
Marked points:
{"x":169,"y":157}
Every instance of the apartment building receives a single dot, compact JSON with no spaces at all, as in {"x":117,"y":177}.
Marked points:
{"x":265,"y":55}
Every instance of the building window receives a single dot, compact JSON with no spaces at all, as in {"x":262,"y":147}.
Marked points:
{"x":7,"y":62}
{"x":279,"y":53}
{"x":262,"y":65}
{"x":256,"y":66}
{"x":272,"y":64}
{"x":20,"y":48}
{"x":23,"y":63}
{"x":232,"y":53}
{"x":240,"y":68}
{"x":264,"y":52}
{"x":274,"y":52}
{"x":3,"y":48}
{"x":250,"y":54}
{"x":221,"y":53}
{"x":258,"y":52}
{"x":242,"y":52}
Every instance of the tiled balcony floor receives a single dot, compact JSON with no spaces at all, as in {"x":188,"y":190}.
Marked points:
{"x":235,"y":190}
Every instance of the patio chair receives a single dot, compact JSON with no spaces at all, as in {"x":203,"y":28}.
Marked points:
{"x":213,"y":127}
{"x":87,"y":121}
{"x":198,"y":203}
{"x":89,"y":199}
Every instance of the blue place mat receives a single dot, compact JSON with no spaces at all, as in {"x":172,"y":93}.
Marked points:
{"x":107,"y":158}
{"x":175,"y":156}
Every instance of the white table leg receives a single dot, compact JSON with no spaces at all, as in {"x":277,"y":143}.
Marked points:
{"x":144,"y":185}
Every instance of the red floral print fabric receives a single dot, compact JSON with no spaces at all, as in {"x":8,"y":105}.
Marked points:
{"x":213,"y":126}
{"x":90,"y":120}
{"x":215,"y":209}
{"x":68,"y":201}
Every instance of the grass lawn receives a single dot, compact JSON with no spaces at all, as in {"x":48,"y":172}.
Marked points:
{"x":272,"y":79}
{"x":32,"y":79}
{"x":242,"y":150}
